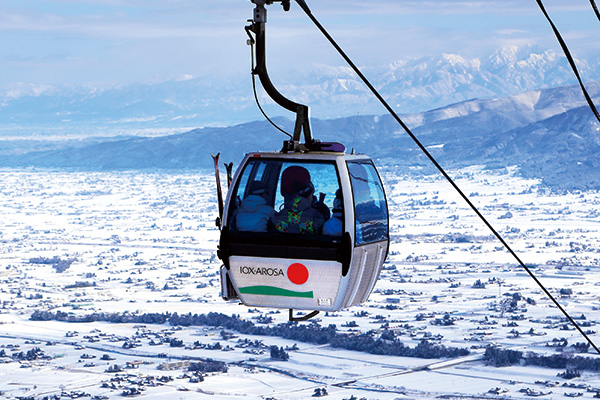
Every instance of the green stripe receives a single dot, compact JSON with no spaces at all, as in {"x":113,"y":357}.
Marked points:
{"x":274,"y":291}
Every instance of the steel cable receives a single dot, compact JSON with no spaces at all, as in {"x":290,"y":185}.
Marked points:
{"x":305,"y":8}
{"x":565,"y":49}
{"x":593,"y":3}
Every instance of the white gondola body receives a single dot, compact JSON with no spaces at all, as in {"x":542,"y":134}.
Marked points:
{"x":340,"y":275}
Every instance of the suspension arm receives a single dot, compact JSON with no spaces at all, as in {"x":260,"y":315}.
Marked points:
{"x":257,"y":27}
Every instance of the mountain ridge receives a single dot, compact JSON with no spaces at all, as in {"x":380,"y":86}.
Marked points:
{"x":410,"y":86}
{"x":550,"y":134}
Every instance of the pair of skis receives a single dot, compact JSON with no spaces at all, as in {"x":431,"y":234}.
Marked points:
{"x":229,"y":168}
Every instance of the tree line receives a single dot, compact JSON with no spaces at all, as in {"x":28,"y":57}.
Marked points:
{"x":368,"y":342}
{"x":505,"y":357}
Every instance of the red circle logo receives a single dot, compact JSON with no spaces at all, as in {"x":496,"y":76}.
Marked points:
{"x":297,"y":273}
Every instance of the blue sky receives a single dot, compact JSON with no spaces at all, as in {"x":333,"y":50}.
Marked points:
{"x":99,"y":43}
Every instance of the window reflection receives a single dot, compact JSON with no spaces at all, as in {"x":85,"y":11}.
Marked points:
{"x":369,"y":203}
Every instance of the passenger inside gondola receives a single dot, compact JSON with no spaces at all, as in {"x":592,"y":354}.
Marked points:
{"x":274,"y":196}
{"x":334,"y":225}
{"x":253,"y":213}
{"x":301,"y":212}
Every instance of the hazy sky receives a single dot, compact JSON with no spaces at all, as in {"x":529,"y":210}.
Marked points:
{"x":117,"y":42}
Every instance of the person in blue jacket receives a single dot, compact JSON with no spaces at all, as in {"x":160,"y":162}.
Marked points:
{"x":254,"y":214}
{"x":334,"y":225}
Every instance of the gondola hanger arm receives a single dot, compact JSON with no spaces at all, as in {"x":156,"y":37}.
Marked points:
{"x":257,"y":27}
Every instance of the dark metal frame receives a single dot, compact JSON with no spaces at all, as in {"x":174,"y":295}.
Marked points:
{"x":258,"y":27}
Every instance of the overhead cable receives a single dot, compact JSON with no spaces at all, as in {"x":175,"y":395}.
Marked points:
{"x":570,"y":58}
{"x":305,"y":8}
{"x":595,"y":9}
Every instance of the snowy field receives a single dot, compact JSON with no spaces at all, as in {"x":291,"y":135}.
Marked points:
{"x":141,"y":242}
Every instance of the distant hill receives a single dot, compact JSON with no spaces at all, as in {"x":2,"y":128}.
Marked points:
{"x":410,"y":86}
{"x":550,"y":134}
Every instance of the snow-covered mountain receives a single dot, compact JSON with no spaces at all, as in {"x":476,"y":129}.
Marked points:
{"x":409,"y":86}
{"x":551,"y":134}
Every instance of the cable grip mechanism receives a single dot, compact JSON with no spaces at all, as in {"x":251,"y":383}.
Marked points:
{"x":284,"y":3}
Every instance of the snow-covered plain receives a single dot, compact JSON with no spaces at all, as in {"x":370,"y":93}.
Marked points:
{"x":145,"y":242}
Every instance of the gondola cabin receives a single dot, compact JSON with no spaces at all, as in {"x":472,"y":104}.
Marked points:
{"x":304,"y":231}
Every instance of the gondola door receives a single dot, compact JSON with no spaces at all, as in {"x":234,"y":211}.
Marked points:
{"x":367,"y":225}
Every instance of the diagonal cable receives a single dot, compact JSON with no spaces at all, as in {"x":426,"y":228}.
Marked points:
{"x":305,"y":8}
{"x":593,"y":3}
{"x":565,"y":49}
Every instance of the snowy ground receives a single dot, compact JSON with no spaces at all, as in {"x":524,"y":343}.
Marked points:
{"x":146,"y":242}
